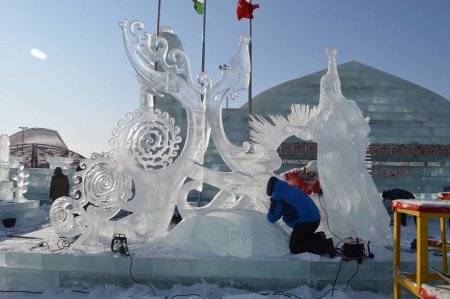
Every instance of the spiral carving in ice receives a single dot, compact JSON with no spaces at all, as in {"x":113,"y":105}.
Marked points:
{"x":152,"y":145}
{"x":62,"y":218}
{"x":105,"y":188}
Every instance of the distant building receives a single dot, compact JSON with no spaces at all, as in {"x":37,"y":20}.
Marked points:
{"x":36,"y":144}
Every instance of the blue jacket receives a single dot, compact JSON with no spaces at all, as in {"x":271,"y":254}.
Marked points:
{"x":292,"y":204}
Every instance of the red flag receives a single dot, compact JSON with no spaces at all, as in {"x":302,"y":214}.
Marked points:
{"x":245,"y":9}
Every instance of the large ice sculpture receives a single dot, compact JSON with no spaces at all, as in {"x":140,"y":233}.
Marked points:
{"x":351,"y":199}
{"x":145,"y":173}
{"x":341,"y":132}
{"x":133,"y":188}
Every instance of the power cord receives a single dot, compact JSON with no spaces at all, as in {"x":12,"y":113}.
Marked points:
{"x":121,"y":246}
{"x":62,"y":244}
{"x":40,"y":244}
{"x":351,"y":277}
{"x":286,"y":294}
{"x":183,"y":295}
{"x":335,"y":280}
{"x":28,"y":292}
{"x":328,"y":225}
{"x":131,"y":274}
{"x":78,"y":291}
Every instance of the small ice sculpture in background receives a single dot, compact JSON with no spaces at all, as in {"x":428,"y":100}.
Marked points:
{"x":62,"y":162}
{"x":15,"y":162}
{"x":4,"y":157}
{"x":21,"y":179}
{"x":6,"y":192}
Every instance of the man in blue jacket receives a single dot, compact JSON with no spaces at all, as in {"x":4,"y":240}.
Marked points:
{"x":301,"y":214}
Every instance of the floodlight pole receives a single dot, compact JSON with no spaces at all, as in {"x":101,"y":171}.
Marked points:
{"x":23,"y":134}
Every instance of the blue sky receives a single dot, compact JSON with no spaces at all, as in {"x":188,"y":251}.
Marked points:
{"x":86,"y":83}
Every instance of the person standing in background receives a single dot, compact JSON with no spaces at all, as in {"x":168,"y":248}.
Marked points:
{"x":59,"y":185}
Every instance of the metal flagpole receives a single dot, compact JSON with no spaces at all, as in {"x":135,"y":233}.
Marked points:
{"x":157,"y":34}
{"x":199,"y":194}
{"x":250,"y":50}
{"x":203,"y":36}
{"x":158,"y":18}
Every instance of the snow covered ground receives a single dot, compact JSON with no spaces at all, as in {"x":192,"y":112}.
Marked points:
{"x":198,"y":290}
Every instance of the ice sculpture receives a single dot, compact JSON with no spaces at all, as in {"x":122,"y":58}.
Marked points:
{"x":351,"y":199}
{"x":21,"y":179}
{"x":133,"y":188}
{"x":143,"y":174}
{"x":62,"y":162}
{"x":6,"y":192}
{"x":4,"y":157}
{"x":341,"y":132}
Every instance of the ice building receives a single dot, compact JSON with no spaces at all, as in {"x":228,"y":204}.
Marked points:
{"x":409,"y":139}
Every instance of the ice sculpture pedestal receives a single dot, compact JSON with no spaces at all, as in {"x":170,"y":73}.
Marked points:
{"x":40,"y":269}
{"x":6,"y":190}
{"x":15,"y":209}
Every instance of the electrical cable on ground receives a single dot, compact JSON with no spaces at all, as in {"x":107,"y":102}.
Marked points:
{"x":28,"y":292}
{"x":40,"y":244}
{"x":351,"y":277}
{"x":63,"y":244}
{"x":183,"y":295}
{"x":136,"y":281}
{"x":334,"y":282}
{"x":78,"y":291}
{"x":286,"y":294}
{"x":126,"y":252}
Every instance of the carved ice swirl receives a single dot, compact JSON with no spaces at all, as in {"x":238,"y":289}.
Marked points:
{"x":152,"y":144}
{"x":106,"y":188}
{"x":62,"y":218}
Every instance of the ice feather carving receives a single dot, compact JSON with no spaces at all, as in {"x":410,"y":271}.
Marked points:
{"x":271,"y":134}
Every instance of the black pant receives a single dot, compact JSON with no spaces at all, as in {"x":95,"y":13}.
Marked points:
{"x":303,"y":239}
